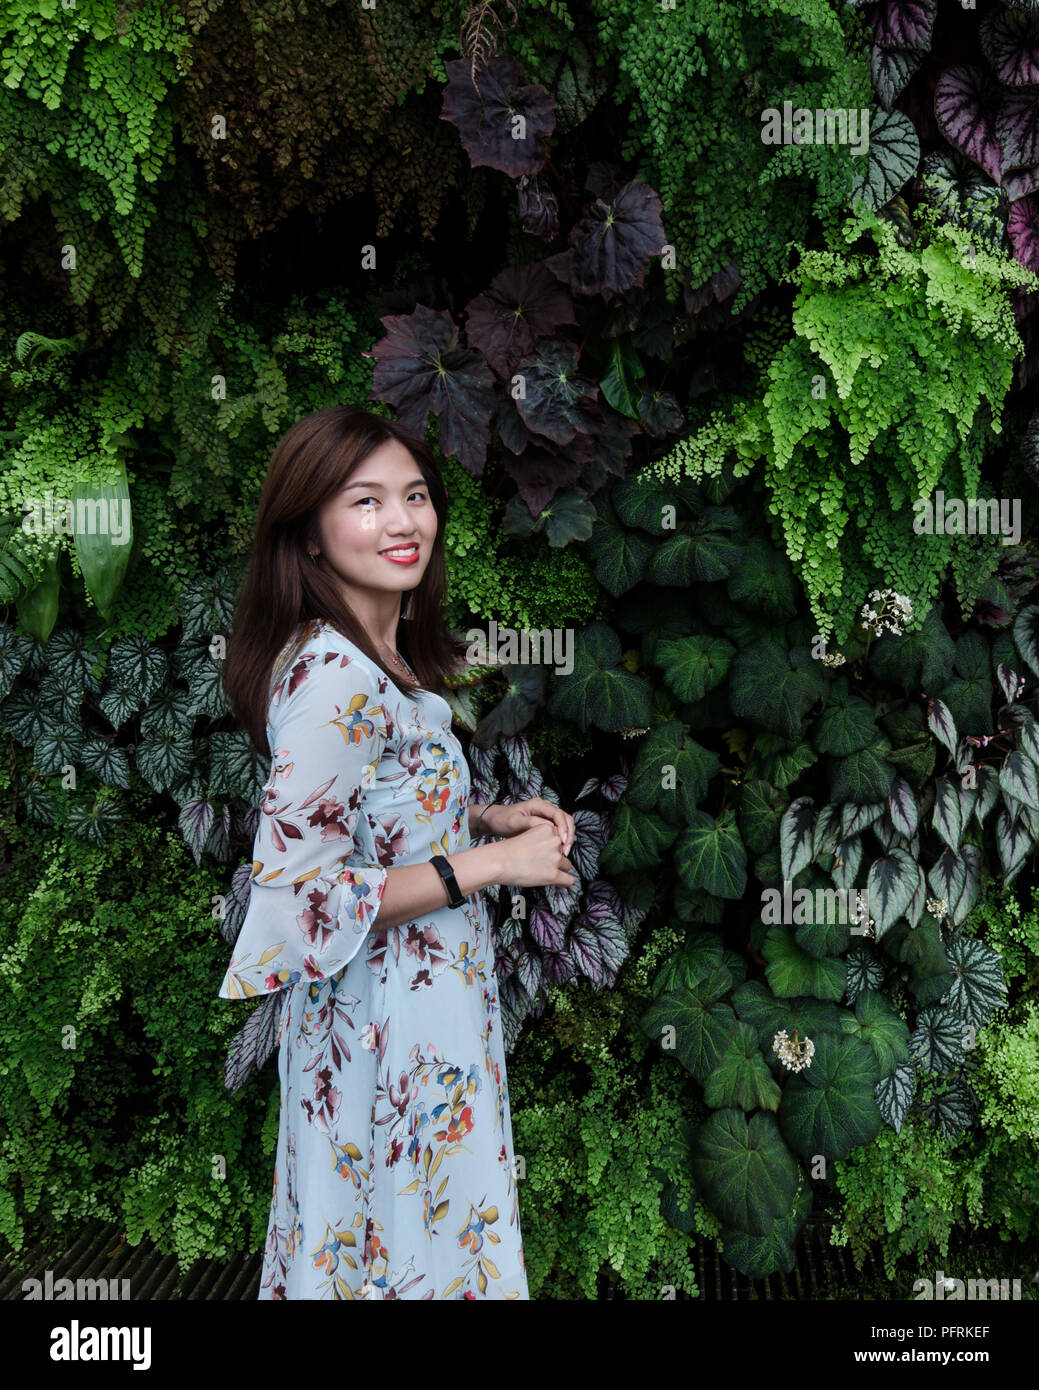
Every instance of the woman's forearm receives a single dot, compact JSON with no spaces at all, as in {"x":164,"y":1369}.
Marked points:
{"x":413,"y":890}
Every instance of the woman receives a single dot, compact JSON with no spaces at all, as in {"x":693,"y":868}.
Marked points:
{"x":394,"y":1170}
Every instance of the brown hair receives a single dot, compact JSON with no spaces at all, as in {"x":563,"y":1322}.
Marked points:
{"x":284,"y":587}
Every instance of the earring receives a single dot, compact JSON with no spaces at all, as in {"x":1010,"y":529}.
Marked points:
{"x":315,"y":555}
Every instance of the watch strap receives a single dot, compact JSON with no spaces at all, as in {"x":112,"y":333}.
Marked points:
{"x":444,"y":869}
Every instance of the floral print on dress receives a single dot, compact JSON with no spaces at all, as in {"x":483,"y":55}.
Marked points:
{"x":394,"y":1172}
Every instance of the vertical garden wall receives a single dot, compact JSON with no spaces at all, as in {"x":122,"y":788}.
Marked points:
{"x":720,"y":316}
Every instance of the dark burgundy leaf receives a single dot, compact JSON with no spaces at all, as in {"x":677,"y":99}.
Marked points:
{"x":420,"y":367}
{"x":1010,"y":41}
{"x":611,"y":245}
{"x":721,"y":285}
{"x":966,"y":103}
{"x":612,"y":448}
{"x":524,"y":303}
{"x":537,"y":207}
{"x":558,"y":402}
{"x":605,"y":178}
{"x":660,"y":413}
{"x":486,"y":119}
{"x":539,"y":475}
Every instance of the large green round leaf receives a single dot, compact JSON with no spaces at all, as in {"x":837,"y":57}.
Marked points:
{"x":671,"y":772}
{"x":757,"y":1005}
{"x":766,"y":688}
{"x":710,"y":854}
{"x":694,"y":1020}
{"x":863,"y":776}
{"x":876,"y":1024}
{"x":758,"y":1256}
{"x":694,"y":665}
{"x":829,"y":1108}
{"x":741,"y":1076}
{"x":845,"y":726}
{"x":792,"y":970}
{"x":747,"y":1174}
{"x":599,"y":691}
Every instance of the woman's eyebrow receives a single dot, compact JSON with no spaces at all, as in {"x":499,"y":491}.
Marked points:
{"x":369,"y":482}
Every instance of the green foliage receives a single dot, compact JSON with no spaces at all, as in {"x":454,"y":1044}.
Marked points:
{"x":112,"y":1097}
{"x":893,"y":380}
{"x":695,"y":80}
{"x":596,"y":1123}
{"x":535,"y":586}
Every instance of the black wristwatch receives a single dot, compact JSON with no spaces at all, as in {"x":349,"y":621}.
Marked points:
{"x":444,"y":869}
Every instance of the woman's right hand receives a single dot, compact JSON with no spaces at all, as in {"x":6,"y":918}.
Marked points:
{"x":534,"y":859}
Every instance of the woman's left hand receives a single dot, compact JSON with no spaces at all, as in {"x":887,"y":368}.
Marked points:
{"x":513,"y":820}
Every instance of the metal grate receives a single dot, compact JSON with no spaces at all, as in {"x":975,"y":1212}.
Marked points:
{"x":823,"y":1272}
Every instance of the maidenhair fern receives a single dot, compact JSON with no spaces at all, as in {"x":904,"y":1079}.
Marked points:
{"x":893,"y":380}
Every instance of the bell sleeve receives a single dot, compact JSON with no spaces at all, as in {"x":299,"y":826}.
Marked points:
{"x":309,"y":909}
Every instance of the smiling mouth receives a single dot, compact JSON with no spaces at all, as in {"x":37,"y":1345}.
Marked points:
{"x":401,"y":552}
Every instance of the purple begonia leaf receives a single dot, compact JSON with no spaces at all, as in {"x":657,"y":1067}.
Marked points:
{"x":905,"y":24}
{"x":537,"y":207}
{"x":966,"y":103}
{"x":1023,"y":231}
{"x":420,"y":367}
{"x":1017,"y":129}
{"x":253,"y":1044}
{"x":524,"y":303}
{"x":559,"y":967}
{"x":487,"y":118}
{"x":592,"y":831}
{"x":547,"y":930}
{"x":612,"y":243}
{"x":528,"y":971}
{"x":236,"y":902}
{"x":902,"y":31}
{"x":562,"y":900}
{"x":1010,"y":41}
{"x":518,"y":756}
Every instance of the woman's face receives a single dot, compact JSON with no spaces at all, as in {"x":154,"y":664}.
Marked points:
{"x":383,"y":507}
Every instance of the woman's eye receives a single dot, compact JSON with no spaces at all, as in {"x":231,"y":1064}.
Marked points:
{"x":365,"y":499}
{"x":422,"y":495}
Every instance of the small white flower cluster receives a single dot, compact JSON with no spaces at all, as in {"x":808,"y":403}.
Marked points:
{"x":894,"y":612}
{"x":834,"y":659}
{"x":858,"y":911}
{"x":632,"y":733}
{"x":795,"y":1054}
{"x":938,"y":907}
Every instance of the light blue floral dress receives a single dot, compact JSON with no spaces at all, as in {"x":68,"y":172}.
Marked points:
{"x":394,"y":1174}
